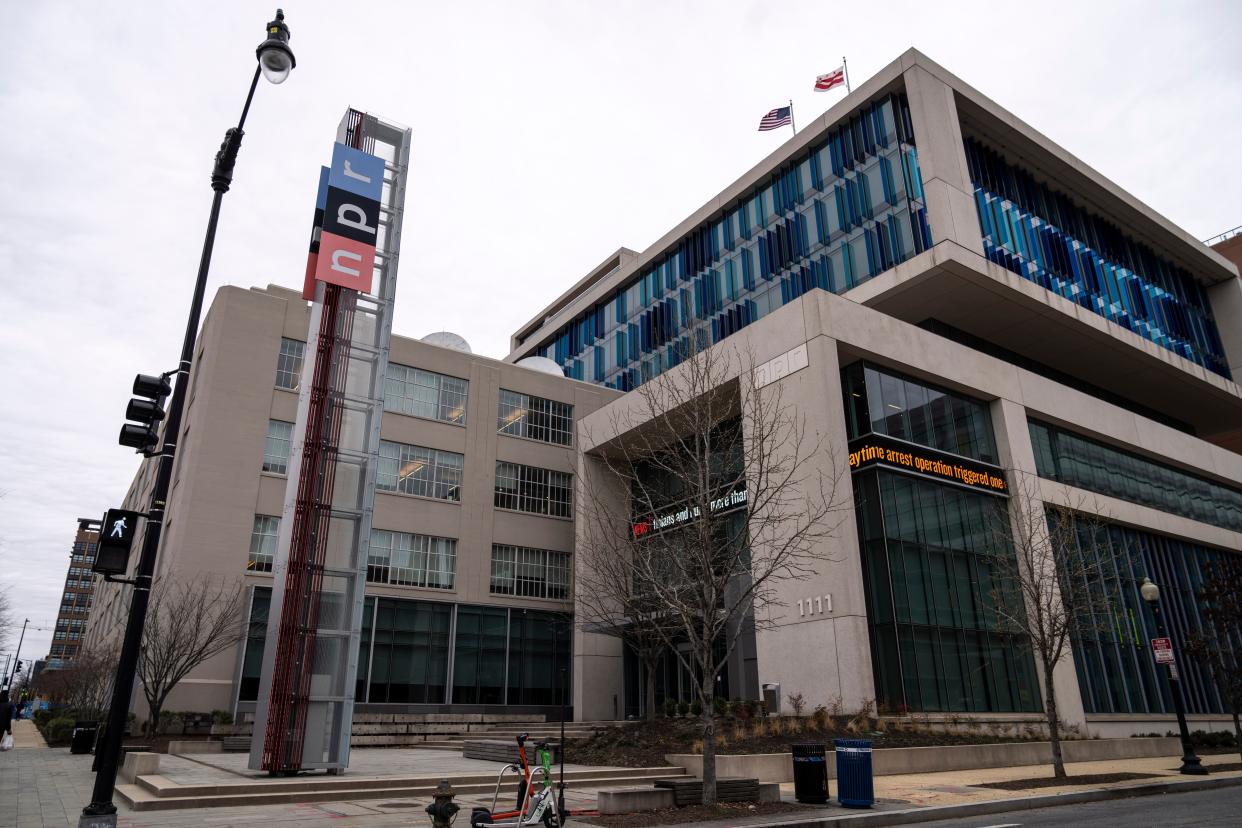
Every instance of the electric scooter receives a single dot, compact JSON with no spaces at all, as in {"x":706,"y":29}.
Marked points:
{"x":533,"y":808}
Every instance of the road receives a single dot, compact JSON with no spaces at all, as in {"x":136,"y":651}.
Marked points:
{"x":1222,"y":806}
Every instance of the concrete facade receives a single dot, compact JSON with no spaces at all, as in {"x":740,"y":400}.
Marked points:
{"x":218,"y":485}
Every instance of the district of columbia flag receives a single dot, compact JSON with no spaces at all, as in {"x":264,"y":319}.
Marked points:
{"x":834,"y":78}
{"x":779,"y":117}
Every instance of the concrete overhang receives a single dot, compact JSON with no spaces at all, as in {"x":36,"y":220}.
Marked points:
{"x":964,"y":290}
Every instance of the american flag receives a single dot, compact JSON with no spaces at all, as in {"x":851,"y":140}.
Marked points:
{"x":834,"y":78}
{"x":778,"y":117}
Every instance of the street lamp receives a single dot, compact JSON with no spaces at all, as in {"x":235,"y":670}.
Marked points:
{"x":1190,"y":763}
{"x":275,"y":61}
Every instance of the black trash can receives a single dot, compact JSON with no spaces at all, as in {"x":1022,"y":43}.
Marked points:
{"x":810,"y":773}
{"x":855,"y":788}
{"x":83,"y":739}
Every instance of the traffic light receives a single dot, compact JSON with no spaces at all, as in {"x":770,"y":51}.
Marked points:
{"x":146,"y":409}
{"x":19,"y":667}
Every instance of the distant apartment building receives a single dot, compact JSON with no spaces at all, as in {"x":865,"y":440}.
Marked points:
{"x":76,"y":598}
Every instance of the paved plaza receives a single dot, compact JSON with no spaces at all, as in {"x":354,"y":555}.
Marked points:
{"x":43,"y":787}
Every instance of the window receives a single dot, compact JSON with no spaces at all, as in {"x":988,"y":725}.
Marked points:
{"x":881,"y":402}
{"x":263,"y":543}
{"x":403,"y":559}
{"x":539,"y":656}
{"x":289,"y":364}
{"x":535,"y":490}
{"x":479,"y":655}
{"x":521,"y":415}
{"x":1077,"y":461}
{"x":425,"y":394}
{"x":531,"y":573}
{"x":409,"y":661}
{"x":415,"y":470}
{"x":936,"y":640}
{"x":276,"y":451}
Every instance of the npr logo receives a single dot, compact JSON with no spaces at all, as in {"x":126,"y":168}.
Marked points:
{"x":349,"y":199}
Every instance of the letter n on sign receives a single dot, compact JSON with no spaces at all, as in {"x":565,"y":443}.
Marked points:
{"x":345,"y":262}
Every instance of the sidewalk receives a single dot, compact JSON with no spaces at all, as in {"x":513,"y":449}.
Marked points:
{"x":26,"y":735}
{"x":46,"y":788}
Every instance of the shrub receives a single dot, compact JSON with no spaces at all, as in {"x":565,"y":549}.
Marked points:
{"x":682,"y":708}
{"x":797,"y":704}
{"x":820,"y":717}
{"x":720,"y":706}
{"x":670,"y":708}
{"x":696,"y":708}
{"x":58,"y":731}
{"x":223,"y":717}
{"x":42,"y":717}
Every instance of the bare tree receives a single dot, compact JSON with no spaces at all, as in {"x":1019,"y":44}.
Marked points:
{"x":1054,"y":579}
{"x":707,"y":492}
{"x":82,"y":684}
{"x":611,"y":601}
{"x":6,"y":618}
{"x":1217,"y":645}
{"x":188,"y":622}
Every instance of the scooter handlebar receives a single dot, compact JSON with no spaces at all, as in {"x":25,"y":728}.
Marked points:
{"x":521,"y":739}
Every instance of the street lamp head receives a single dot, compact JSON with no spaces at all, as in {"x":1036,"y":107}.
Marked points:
{"x":1149,"y":591}
{"x":275,"y":57}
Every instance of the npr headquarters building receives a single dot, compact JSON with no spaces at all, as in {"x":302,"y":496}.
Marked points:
{"x":931,"y":274}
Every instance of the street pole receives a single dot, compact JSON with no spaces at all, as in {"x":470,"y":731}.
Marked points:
{"x":1190,"y":762}
{"x":101,"y":811}
{"x":17,"y":657}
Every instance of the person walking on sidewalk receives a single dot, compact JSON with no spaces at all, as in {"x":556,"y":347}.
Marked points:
{"x":6,"y":714}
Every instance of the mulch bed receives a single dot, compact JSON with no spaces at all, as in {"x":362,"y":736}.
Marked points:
{"x":1049,"y":782}
{"x":692,"y":813}
{"x":644,"y":744}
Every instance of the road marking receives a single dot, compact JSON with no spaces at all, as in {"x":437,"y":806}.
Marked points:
{"x":1003,"y":825}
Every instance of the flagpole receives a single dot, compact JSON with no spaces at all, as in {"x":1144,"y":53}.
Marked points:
{"x":846,"y":66}
{"x":791,"y":118}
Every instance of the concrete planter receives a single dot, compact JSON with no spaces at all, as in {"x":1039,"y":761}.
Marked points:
{"x":778,"y":767}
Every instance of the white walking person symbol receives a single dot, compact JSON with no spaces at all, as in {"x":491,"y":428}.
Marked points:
{"x":118,"y":529}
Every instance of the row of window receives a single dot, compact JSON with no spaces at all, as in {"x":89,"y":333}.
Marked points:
{"x":433,"y":396}
{"x":1077,"y":461}
{"x":1043,"y":236}
{"x":846,"y":210}
{"x":427,"y":652}
{"x":433,"y":473}
{"x":405,"y":559}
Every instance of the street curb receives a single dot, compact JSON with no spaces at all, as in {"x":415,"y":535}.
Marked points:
{"x":910,"y":816}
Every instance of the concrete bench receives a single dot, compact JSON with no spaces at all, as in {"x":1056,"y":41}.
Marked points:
{"x":497,"y":750}
{"x":631,"y":800}
{"x":689,"y":791}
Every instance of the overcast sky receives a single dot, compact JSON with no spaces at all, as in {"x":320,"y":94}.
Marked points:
{"x":546,"y":135}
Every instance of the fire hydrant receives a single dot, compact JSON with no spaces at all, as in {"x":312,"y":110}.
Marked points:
{"x":442,"y":809}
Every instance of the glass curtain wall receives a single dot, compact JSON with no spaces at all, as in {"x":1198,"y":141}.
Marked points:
{"x":928,"y":575}
{"x":1043,"y":236}
{"x":1116,"y":671}
{"x":833,"y":217}
{"x":408,"y":651}
{"x":928,"y":550}
{"x":1088,"y":464}
{"x":880,"y":401}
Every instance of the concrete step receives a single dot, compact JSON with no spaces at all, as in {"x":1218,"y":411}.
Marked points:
{"x":158,"y":793}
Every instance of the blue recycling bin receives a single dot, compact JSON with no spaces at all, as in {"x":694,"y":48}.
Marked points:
{"x":855,"y":788}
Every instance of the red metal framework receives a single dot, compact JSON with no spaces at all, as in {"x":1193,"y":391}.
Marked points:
{"x":293,"y":667}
